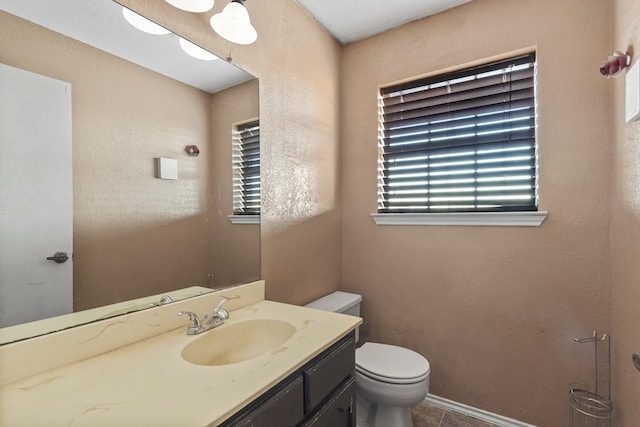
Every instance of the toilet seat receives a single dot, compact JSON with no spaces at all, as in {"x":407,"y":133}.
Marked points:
{"x":391,"y":364}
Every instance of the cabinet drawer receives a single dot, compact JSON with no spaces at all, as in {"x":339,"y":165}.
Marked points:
{"x":328,"y":373}
{"x":284,"y":408}
{"x":339,"y":411}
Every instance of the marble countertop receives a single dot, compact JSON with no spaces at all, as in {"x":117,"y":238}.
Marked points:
{"x":148,"y":383}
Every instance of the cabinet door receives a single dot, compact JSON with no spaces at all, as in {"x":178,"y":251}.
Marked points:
{"x":282,"y":409}
{"x":328,"y":373}
{"x":339,"y":411}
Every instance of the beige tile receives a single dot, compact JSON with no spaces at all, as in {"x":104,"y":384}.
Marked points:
{"x":452,"y":419}
{"x":425,"y":415}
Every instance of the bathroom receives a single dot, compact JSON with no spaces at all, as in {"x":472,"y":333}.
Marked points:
{"x":494,"y":309}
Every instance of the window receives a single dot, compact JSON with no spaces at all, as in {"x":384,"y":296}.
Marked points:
{"x":464,"y":141}
{"x":246,"y":168}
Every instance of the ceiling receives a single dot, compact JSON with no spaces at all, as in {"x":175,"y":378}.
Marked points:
{"x":99,"y":23}
{"x":352,"y":20}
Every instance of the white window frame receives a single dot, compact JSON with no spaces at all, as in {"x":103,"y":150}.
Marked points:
{"x":532,"y":218}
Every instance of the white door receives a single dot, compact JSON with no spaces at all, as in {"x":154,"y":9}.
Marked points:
{"x":36,"y":197}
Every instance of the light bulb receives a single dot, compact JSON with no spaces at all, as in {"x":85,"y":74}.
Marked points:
{"x":196,"y":51}
{"x":142,"y":23}
{"x":197,"y":6}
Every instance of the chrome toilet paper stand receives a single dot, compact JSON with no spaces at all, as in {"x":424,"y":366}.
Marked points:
{"x":593,"y":408}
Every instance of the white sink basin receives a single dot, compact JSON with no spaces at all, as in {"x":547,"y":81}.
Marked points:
{"x":237,"y":342}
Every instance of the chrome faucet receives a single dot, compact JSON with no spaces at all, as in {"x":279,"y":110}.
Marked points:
{"x":166,"y":299}
{"x":196,"y":326}
{"x":219,"y":312}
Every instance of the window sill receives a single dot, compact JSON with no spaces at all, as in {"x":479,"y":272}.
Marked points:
{"x":498,"y":219}
{"x":244,"y":219}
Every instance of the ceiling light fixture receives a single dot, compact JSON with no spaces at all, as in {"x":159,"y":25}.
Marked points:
{"x":196,"y":51}
{"x":142,"y":23}
{"x":197,"y":6}
{"x":233,"y":23}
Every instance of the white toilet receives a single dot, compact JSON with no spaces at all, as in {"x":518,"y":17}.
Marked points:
{"x":389,"y":379}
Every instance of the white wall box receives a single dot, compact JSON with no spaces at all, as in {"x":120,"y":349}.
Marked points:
{"x":167,"y":168}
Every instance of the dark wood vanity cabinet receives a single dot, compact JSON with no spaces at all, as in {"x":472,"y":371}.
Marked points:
{"x":320,"y":394}
{"x":339,"y":410}
{"x":280,"y":406}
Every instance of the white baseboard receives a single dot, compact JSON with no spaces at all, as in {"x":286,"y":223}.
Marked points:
{"x":480,"y":414}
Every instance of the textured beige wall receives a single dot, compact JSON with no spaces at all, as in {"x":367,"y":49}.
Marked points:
{"x":236,"y":254}
{"x":625,"y":226}
{"x":134,"y":235}
{"x":494,"y":309}
{"x":299,"y":100}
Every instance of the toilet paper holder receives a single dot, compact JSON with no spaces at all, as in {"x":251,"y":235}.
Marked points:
{"x":595,"y":338}
{"x":587,"y":405}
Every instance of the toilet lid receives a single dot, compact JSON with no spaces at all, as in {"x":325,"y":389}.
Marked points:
{"x":390,"y":363}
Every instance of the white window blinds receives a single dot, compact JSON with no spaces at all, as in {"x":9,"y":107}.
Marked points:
{"x":460,"y":142}
{"x":246,"y":169}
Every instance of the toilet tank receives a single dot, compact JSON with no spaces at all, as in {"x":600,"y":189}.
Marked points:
{"x":339,"y":302}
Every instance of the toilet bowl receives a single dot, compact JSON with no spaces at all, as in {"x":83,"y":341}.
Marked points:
{"x":389,"y":379}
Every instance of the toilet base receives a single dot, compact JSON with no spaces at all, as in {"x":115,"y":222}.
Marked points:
{"x":383,"y":404}
{"x":372,"y":415}
{"x":361,"y":414}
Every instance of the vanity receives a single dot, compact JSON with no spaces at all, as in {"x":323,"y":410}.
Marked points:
{"x":269,"y":364}
{"x":321,"y":393}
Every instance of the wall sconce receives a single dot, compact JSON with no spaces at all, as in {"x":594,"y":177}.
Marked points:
{"x":615,"y":63}
{"x":233,"y":23}
{"x":197,"y":6}
{"x":142,"y":23}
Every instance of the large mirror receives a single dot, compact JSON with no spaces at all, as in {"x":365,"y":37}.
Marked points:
{"x":134,"y":234}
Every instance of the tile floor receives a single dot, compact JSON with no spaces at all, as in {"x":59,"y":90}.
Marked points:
{"x":427,"y":415}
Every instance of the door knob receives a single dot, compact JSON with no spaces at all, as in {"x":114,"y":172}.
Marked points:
{"x":59,"y":257}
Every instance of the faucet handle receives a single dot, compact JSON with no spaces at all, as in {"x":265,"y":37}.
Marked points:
{"x":166,"y":299}
{"x":194,"y":326}
{"x":219,"y":312}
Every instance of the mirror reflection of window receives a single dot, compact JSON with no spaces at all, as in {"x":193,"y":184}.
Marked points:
{"x":246,"y":168}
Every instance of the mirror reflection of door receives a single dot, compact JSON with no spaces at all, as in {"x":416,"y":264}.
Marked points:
{"x":36,"y":197}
